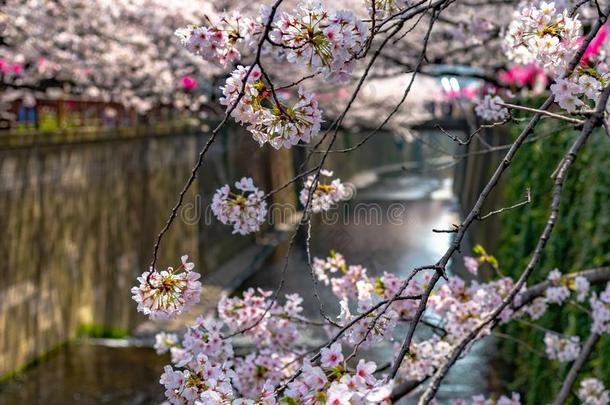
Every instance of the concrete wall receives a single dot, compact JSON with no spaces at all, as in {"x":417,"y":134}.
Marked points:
{"x":77,"y":222}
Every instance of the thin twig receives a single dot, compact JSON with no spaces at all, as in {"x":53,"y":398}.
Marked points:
{"x":210,"y":141}
{"x":528,"y":199}
{"x":568,"y":160}
{"x":575,"y":121}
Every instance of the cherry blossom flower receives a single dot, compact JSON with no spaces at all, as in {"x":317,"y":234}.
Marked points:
{"x":245,"y":210}
{"x":472,"y":264}
{"x":488,"y":109}
{"x":267,"y":323}
{"x":562,"y":349}
{"x":165,"y":341}
{"x":462,"y":306}
{"x":325,"y":195}
{"x":205,"y":368}
{"x":90,"y":45}
{"x":590,"y":86}
{"x":544,"y":35}
{"x":267,"y":118}
{"x":581,"y":286}
{"x":601,"y":311}
{"x":255,"y":370}
{"x":165,"y":294}
{"x":335,"y":262}
{"x":338,"y":394}
{"x":324,"y":41}
{"x":593,"y":392}
{"x":221,"y":40}
{"x":559,"y":292}
{"x":537,"y":308}
{"x":332,"y":356}
{"x":424,"y":358}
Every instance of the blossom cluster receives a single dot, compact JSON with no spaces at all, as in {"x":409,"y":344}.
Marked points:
{"x":560,"y":289}
{"x":332,"y":264}
{"x":514,"y":399}
{"x":581,"y":89}
{"x":331,"y":383}
{"x":578,"y":91}
{"x":165,"y":294}
{"x":267,"y":322}
{"x":489,"y":110}
{"x":206,"y":368}
{"x":354,"y":286}
{"x":562,"y":349}
{"x":269,"y":119}
{"x":424,"y":358}
{"x":463,"y":306}
{"x":220,"y":40}
{"x":601,"y":311}
{"x":353,"y":282}
{"x":87,"y":48}
{"x":245,"y":210}
{"x":593,"y":392}
{"x":326,"y":42}
{"x":325,"y":195}
{"x":558,"y":292}
{"x":204,"y":382}
{"x":543,"y":34}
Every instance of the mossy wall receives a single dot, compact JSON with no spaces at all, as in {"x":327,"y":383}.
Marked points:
{"x":78,"y":220}
{"x":581,"y":240}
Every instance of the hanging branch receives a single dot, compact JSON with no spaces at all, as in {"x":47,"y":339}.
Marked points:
{"x":568,"y":159}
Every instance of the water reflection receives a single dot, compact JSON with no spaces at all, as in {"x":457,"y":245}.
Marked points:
{"x":395,"y":242}
{"x":77,"y":245}
{"x":78,"y":223}
{"x":90,"y":374}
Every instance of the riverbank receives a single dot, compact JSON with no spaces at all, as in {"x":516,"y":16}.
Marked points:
{"x":398,"y":239}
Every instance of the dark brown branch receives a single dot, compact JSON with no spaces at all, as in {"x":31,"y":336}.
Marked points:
{"x":454,"y":138}
{"x":594,"y":276}
{"x":211,"y":139}
{"x":567,"y":162}
{"x":306,"y":217}
{"x":474,"y":213}
{"x":452,"y":230}
{"x":420,"y":61}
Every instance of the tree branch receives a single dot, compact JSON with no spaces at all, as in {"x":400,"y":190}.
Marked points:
{"x":575,"y":369}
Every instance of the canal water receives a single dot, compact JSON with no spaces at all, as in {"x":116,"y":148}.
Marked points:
{"x":387,"y":226}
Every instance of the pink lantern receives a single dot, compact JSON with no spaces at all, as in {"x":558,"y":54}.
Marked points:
{"x":593,"y":48}
{"x":188,"y":82}
{"x":17,"y":68}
